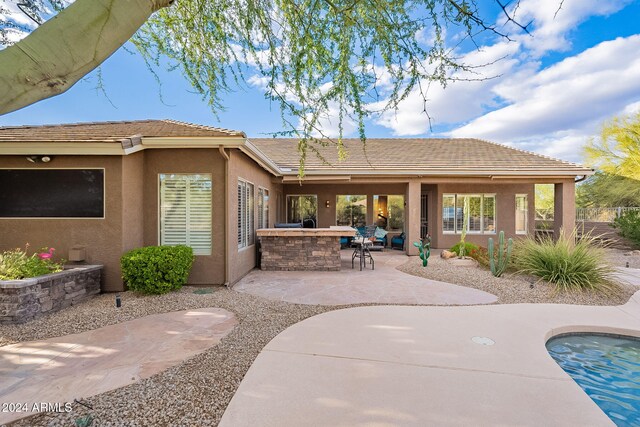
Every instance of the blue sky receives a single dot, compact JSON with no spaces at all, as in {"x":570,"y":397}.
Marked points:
{"x":554,"y":90}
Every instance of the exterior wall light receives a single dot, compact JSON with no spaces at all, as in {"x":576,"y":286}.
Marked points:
{"x":327,"y":204}
{"x":39,"y":159}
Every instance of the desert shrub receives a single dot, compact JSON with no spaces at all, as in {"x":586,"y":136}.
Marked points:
{"x":16,"y":264}
{"x":157,"y":269}
{"x":628,"y":225}
{"x":481,"y":255}
{"x":468,"y":248}
{"x":565,"y":262}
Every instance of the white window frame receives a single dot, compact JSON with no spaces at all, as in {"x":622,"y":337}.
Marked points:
{"x":482,"y":217}
{"x":246,"y":214}
{"x":526,"y":214}
{"x":262,"y":204}
{"x":191,"y":210}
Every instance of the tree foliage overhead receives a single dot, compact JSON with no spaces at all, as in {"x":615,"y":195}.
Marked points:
{"x":314,"y":58}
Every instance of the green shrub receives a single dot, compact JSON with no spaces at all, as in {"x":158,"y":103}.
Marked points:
{"x":16,"y":264}
{"x":566,"y":263}
{"x":157,"y":269}
{"x":629,"y":225}
{"x":469,"y":248}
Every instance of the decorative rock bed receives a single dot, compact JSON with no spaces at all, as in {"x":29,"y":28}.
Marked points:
{"x":24,"y":300}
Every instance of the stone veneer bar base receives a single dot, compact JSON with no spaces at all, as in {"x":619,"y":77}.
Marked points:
{"x":24,"y":300}
{"x":296,"y":253}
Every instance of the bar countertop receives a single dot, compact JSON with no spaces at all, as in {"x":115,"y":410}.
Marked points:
{"x":338,"y":231}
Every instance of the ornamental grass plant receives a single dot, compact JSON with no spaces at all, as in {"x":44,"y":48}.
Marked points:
{"x":571,"y":263}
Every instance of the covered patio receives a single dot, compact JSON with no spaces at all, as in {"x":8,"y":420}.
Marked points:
{"x":421,"y":186}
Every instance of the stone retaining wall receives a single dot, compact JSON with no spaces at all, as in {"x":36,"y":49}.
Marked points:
{"x":24,"y":300}
{"x":295,"y":253}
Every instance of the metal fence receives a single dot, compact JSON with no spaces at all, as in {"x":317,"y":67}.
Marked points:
{"x":587,"y":214}
{"x":601,"y":214}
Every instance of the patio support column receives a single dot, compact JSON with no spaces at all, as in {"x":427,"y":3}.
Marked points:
{"x":412,"y":216}
{"x":564,"y":212}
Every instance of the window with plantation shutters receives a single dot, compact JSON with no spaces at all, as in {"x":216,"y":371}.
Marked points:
{"x":246,"y":216}
{"x":263,"y":207}
{"x":185,"y":211}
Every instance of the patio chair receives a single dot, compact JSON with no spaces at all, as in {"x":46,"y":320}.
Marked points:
{"x":363,"y":246}
{"x":397,"y":242}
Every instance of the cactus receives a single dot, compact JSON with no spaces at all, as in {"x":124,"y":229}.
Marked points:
{"x":500,"y":265}
{"x":424,"y":246}
{"x":465,"y":223}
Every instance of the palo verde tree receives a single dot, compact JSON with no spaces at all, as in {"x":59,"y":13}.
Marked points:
{"x":314,"y":57}
{"x":616,"y":155}
{"x":617,"y":150}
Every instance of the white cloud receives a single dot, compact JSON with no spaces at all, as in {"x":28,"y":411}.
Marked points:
{"x":566,"y":101}
{"x":549,"y":29}
{"x":460,"y":100}
{"x":552,"y":110}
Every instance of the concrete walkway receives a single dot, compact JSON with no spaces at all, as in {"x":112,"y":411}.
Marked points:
{"x":384,"y":285}
{"x":90,"y":363}
{"x":417,"y":366}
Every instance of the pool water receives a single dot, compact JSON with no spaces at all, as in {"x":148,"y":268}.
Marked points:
{"x":607,"y":368}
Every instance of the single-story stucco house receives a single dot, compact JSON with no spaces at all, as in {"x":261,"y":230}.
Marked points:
{"x":114,"y":186}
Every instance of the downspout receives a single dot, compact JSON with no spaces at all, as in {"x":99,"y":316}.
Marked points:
{"x":581,"y":179}
{"x":225,"y":156}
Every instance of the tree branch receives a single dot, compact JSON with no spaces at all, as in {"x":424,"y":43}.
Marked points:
{"x":64,"y":49}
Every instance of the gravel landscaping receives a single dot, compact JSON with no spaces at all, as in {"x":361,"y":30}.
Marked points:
{"x":195,"y":392}
{"x":512,"y":288}
{"x":620,"y":257}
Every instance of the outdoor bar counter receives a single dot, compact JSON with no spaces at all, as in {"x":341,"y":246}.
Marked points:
{"x":294,"y":249}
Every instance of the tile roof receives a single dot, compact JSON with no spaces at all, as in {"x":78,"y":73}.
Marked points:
{"x":110,"y":131}
{"x":407,"y":154}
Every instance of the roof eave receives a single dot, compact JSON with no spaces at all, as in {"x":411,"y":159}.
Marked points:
{"x":491,"y":173}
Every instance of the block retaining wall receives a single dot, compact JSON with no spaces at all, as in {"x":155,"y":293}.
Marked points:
{"x":24,"y":300}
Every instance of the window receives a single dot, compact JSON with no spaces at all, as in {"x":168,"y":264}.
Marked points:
{"x":185,"y":211}
{"x":303,"y":209}
{"x":351,"y":211}
{"x":52,"y":193}
{"x":389,"y":212}
{"x":481,"y":216}
{"x":263,"y":207}
{"x":246,"y":216}
{"x":448,"y":213}
{"x":521,"y":213}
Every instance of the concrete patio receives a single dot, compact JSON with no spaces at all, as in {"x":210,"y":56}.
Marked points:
{"x":82,"y":365}
{"x":385,"y":285}
{"x":416,"y":366}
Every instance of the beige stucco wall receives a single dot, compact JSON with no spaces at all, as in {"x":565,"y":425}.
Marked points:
{"x":505,"y":211}
{"x":207,"y":269}
{"x":133,"y":201}
{"x":102,"y":237}
{"x":243,"y":260}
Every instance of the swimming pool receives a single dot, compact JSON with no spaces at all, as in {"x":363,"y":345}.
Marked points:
{"x":607,"y":367}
